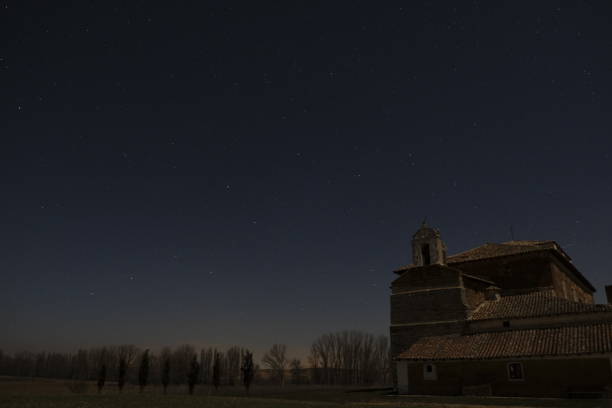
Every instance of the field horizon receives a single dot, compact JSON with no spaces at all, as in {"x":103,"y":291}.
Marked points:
{"x":54,"y":393}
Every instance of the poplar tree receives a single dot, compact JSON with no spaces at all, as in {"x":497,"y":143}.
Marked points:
{"x":248,"y":370}
{"x":122,"y":373}
{"x":101,"y":377}
{"x":216,"y":371}
{"x":143,"y":372}
{"x":194,"y":371}
{"x":165,"y":375}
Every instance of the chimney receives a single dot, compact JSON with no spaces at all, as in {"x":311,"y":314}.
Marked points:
{"x":609,"y":294}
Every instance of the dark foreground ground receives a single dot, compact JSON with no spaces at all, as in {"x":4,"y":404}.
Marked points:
{"x":37,"y":393}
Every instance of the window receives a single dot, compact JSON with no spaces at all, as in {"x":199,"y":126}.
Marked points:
{"x":515,"y":372}
{"x":426,"y":255}
{"x":429,"y":372}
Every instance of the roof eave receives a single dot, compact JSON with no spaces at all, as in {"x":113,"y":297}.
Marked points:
{"x":521,"y":356}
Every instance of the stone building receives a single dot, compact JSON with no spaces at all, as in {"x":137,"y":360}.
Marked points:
{"x":511,"y":319}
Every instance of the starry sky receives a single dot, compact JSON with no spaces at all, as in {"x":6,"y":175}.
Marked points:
{"x":239,"y":172}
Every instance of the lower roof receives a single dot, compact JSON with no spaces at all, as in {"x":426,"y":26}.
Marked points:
{"x":534,"y":304}
{"x":594,"y":338}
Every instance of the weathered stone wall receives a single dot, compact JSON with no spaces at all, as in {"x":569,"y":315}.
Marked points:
{"x":426,"y":301}
{"x":529,"y":271}
{"x":426,"y":278}
{"x":512,"y":273}
{"x":436,"y":305}
{"x":542,"y":377}
{"x":474,"y":292}
{"x":567,"y":286}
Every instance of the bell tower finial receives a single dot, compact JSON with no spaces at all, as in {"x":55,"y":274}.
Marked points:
{"x":427,"y":246}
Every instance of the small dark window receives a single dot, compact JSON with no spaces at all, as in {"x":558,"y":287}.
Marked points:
{"x":425,"y":253}
{"x":429,"y":372}
{"x":515,"y":371}
{"x":506,"y":323}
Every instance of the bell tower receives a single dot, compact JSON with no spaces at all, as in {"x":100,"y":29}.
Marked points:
{"x":427,"y":247}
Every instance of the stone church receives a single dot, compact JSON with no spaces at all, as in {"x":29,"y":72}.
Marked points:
{"x":510,"y":319}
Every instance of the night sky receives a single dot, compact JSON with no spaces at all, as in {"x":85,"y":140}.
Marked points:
{"x":251,"y":172}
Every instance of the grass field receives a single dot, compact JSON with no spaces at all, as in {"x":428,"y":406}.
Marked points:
{"x":37,"y":393}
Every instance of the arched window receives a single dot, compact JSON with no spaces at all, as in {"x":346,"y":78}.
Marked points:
{"x":425,"y":254}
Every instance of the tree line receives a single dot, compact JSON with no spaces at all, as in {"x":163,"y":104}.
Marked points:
{"x":342,"y":358}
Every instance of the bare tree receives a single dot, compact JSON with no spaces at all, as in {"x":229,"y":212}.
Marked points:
{"x":181,"y":361}
{"x":80,"y":366}
{"x":232,"y":357}
{"x":321,"y":356}
{"x":347,"y":357}
{"x":126,"y":353}
{"x":350,"y":357}
{"x":296,"y":371}
{"x":382,"y":356}
{"x":315,"y":370}
{"x":40,"y":365}
{"x":206,"y":362}
{"x":276,"y":360}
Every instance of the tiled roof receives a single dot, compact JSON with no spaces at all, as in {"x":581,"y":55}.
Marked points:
{"x":543,"y":303}
{"x":556,"y":341}
{"x":491,"y":250}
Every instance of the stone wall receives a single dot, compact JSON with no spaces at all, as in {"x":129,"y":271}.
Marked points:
{"x":430,"y":277}
{"x":542,"y":377}
{"x":426,"y":301}
{"x":567,"y":286}
{"x":513,"y":272}
{"x":434,"y":305}
{"x":475,"y":326}
{"x":474,"y":291}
